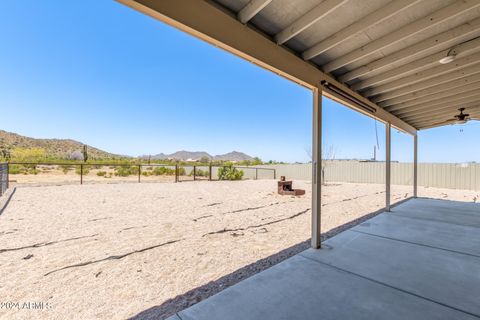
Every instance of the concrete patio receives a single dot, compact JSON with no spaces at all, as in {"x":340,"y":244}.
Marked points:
{"x":420,"y":261}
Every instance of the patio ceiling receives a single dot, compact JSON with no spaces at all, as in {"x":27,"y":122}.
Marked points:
{"x":380,"y":57}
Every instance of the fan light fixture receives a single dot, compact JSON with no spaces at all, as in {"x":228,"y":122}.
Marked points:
{"x":451,"y":55}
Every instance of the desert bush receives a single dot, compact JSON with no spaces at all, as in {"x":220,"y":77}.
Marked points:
{"x":229,"y":173}
{"x":199,"y":173}
{"x":125,"y":171}
{"x":86,"y":170}
{"x":65,"y":168}
{"x":101,"y":173}
{"x":163,"y":171}
{"x":23,"y":169}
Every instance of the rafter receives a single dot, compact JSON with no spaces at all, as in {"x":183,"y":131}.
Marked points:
{"x":308,"y":19}
{"x":430,"y":21}
{"x":251,"y":10}
{"x":374,"y":18}
{"x":411,"y":114}
{"x":461,"y":50}
{"x":439,"y":97}
{"x":445,"y":78}
{"x":432,"y":92}
{"x":442,"y":40}
{"x":426,"y":74}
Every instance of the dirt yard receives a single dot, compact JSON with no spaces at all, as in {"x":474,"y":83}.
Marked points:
{"x":114,"y":251}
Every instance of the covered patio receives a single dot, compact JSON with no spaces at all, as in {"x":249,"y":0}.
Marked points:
{"x":419,"y":261}
{"x":411,"y":64}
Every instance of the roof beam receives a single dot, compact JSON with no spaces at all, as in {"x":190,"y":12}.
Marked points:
{"x":432,"y":92}
{"x":211,"y":24}
{"x":374,"y":18}
{"x":307,"y":20}
{"x":432,"y":20}
{"x":461,"y":50}
{"x":445,"y":78}
{"x":410,"y":115}
{"x":426,"y":74}
{"x":442,"y":40}
{"x":441,"y":96}
{"x":472,"y":111}
{"x":445,"y":115}
{"x":251,"y":10}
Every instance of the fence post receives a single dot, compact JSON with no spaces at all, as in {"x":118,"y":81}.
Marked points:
{"x":176,"y":173}
{"x":81,"y":173}
{"x":139,"y":172}
{"x":8,"y":175}
{"x":210,"y":172}
{"x":194,"y":173}
{"x":256,"y":173}
{"x":274,"y":174}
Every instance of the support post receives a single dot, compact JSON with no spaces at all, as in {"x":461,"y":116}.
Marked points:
{"x":194,"y":173}
{"x":316,"y":165}
{"x":81,"y":173}
{"x":210,"y":172}
{"x":176,"y":173}
{"x":274,"y":174}
{"x":139,"y":172}
{"x":388,"y":165}
{"x":256,"y":173}
{"x":415,"y":166}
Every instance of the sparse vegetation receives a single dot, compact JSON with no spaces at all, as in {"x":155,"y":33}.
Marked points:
{"x":101,"y":173}
{"x":230,"y":173}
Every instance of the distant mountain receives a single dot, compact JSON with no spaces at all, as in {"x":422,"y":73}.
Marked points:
{"x":233,"y":156}
{"x":61,"y":148}
{"x":197,"y":155}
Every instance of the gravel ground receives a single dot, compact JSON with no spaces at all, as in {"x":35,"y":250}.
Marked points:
{"x":145,"y":251}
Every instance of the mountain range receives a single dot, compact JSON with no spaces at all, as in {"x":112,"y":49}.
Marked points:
{"x":197,"y":155}
{"x":64,"y":148}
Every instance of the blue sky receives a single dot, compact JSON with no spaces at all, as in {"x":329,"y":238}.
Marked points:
{"x":103,"y":74}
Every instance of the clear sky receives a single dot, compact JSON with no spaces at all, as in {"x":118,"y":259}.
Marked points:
{"x":101,"y":73}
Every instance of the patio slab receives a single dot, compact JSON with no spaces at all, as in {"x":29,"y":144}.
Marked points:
{"x":394,"y":266}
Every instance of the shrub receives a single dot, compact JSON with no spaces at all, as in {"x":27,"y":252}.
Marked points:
{"x":65,"y":168}
{"x":125,"y":171}
{"x":199,"y":173}
{"x":229,"y":173}
{"x":101,"y":173}
{"x":86,"y":170}
{"x":163,"y":171}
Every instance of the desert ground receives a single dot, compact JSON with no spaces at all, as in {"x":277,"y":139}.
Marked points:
{"x":145,"y":251}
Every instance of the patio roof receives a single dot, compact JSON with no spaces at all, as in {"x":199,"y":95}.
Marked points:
{"x":380,"y":57}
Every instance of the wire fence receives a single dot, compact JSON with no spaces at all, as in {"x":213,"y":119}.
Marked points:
{"x":3,"y":178}
{"x":74,"y":173}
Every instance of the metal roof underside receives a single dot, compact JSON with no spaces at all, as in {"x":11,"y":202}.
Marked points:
{"x":388,"y":51}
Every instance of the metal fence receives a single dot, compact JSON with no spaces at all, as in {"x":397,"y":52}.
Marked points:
{"x":3,"y":178}
{"x":111,"y":172}
{"x":464,"y":176}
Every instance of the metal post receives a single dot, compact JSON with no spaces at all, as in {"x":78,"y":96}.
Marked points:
{"x":316,"y":164}
{"x":210,"y":172}
{"x":194,"y":173}
{"x":81,"y":174}
{"x":274,"y":174}
{"x":8,"y":175}
{"x":139,"y":172}
{"x":256,"y":173}
{"x":415,"y":166}
{"x":388,"y":166}
{"x":176,"y":173}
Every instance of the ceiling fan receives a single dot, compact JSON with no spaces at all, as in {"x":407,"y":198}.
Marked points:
{"x":460,"y":118}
